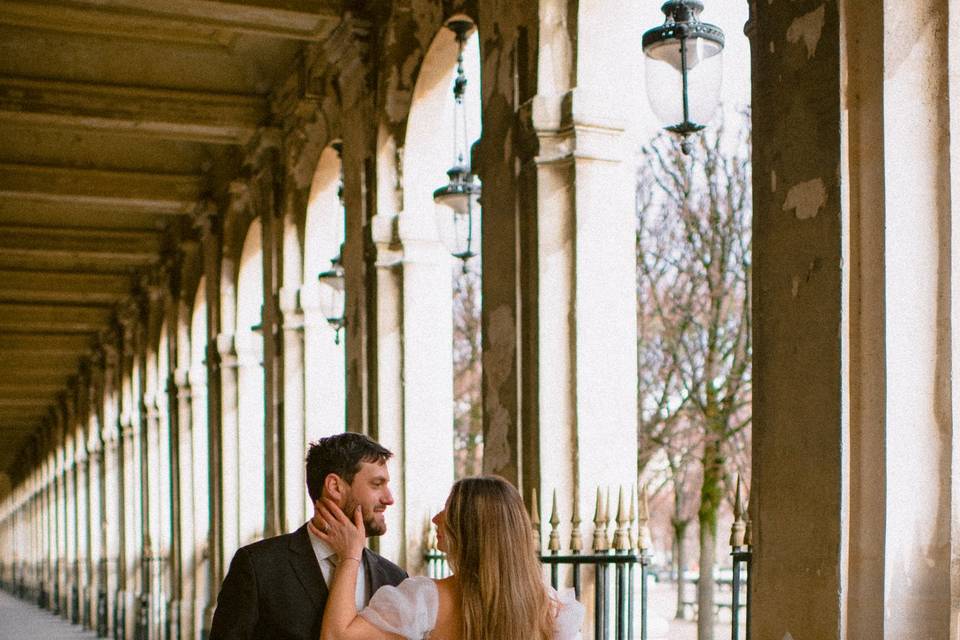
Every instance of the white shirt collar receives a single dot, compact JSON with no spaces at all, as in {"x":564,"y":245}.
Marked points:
{"x":321,"y":548}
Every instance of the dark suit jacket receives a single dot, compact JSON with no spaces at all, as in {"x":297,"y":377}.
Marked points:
{"x":274,"y":590}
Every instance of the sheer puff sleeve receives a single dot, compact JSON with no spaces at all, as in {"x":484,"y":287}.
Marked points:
{"x":569,"y":616}
{"x":409,"y":609}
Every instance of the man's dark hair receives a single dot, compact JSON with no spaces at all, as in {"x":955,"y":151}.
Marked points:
{"x":340,"y":454}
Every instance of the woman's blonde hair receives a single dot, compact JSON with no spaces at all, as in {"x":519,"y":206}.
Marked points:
{"x":491,"y":550}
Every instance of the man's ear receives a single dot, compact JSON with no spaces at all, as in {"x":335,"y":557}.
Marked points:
{"x":334,"y":487}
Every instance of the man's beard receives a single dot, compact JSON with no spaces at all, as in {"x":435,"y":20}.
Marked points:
{"x":370,"y":525}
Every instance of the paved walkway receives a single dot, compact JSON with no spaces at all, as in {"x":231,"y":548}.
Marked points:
{"x":21,"y":620}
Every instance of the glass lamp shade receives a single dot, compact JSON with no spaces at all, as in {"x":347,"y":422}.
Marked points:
{"x":665,"y":88}
{"x":332,"y":295}
{"x":458,"y":221}
{"x":684,"y":46}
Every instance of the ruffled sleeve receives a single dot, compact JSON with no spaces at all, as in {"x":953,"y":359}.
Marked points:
{"x":569,"y":616}
{"x":409,"y":609}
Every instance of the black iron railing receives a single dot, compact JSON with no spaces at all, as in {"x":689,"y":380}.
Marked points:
{"x":612,"y":575}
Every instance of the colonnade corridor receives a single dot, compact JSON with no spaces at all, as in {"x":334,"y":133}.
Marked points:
{"x":229,"y":228}
{"x":21,"y":620}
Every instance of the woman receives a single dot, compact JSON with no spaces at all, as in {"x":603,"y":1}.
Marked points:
{"x":496,"y":591}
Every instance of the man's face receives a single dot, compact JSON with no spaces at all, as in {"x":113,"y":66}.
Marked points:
{"x":370,"y":489}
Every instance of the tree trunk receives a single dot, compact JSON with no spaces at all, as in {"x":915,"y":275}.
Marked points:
{"x":680,"y":561}
{"x":711,"y":494}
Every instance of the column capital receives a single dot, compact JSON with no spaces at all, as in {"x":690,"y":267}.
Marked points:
{"x":576,"y":125}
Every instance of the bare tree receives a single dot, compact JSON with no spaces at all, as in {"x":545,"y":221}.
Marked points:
{"x":693,"y":239}
{"x":467,"y":363}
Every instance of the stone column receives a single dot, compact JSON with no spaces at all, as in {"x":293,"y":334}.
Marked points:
{"x":389,"y":380}
{"x":509,"y":249}
{"x":586,"y":263}
{"x":112,"y":484}
{"x":62,"y":585}
{"x":953,"y":99}
{"x":853,"y":246}
{"x":294,"y":434}
{"x":228,"y":369}
{"x":182,"y":597}
{"x":269,"y":191}
{"x":71,"y":502}
{"x":82,"y":510}
{"x":211,"y":247}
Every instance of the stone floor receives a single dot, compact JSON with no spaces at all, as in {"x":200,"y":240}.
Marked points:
{"x":663,"y":626}
{"x":21,"y":620}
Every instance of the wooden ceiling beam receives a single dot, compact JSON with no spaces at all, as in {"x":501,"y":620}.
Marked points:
{"x":172,"y":194}
{"x":172,"y":115}
{"x":40,"y":318}
{"x":209,"y":22}
{"x":61,"y":286}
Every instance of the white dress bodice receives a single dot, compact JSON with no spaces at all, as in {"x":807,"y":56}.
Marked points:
{"x":410,"y":610}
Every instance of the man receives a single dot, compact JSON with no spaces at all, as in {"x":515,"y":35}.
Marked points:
{"x":277,"y":588}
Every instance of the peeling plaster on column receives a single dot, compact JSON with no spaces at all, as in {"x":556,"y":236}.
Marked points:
{"x":773,"y":49}
{"x":808,"y":27}
{"x":773,"y":182}
{"x":795,"y":287}
{"x":806,"y":198}
{"x":497,"y":363}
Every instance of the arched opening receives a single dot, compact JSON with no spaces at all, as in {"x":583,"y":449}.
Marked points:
{"x":440,"y":134}
{"x":324,"y":363}
{"x":250,"y":385}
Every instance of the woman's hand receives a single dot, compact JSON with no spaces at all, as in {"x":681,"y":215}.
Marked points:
{"x":343,"y":536}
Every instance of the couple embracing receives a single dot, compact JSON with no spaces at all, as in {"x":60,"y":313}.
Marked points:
{"x":322,"y":583}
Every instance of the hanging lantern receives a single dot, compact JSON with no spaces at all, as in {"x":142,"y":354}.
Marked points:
{"x":333,"y":296}
{"x":459,"y":220}
{"x":684,"y":68}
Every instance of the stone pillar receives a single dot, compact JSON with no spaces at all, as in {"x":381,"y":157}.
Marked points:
{"x":211,"y":248}
{"x":508,"y":33}
{"x":229,"y":364}
{"x":853,"y":245}
{"x":294,"y":434}
{"x":112,"y":483}
{"x":183,"y":598}
{"x":71,"y":497}
{"x":82,"y":512}
{"x":389,"y":380}
{"x":953,"y":99}
{"x":359,"y":195}
{"x":586,"y":261}
{"x":269,"y":190}
{"x":62,"y":586}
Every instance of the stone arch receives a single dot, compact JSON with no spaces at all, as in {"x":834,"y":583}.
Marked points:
{"x":324,"y":234}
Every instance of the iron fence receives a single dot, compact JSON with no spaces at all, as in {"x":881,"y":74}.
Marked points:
{"x":616,"y":580}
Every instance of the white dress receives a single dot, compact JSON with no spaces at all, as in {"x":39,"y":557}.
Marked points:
{"x":410,"y":610}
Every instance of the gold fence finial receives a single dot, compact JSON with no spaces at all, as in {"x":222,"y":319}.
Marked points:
{"x":608,"y":518}
{"x":576,"y":539}
{"x":599,"y":524}
{"x":748,"y":529}
{"x":621,"y":539}
{"x":554,"y":543}
{"x":644,"y":541}
{"x":631,"y":530}
{"x":738,"y":528}
{"x":535,"y":519}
